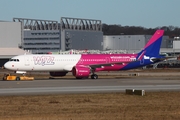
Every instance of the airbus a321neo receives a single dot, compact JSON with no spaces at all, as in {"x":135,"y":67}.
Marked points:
{"x":82,"y":65}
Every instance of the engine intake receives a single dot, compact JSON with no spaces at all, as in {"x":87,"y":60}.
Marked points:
{"x":80,"y":72}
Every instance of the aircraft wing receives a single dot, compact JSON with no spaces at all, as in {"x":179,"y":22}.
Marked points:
{"x":110,"y":64}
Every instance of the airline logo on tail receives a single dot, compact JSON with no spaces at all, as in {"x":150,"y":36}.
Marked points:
{"x":152,"y":48}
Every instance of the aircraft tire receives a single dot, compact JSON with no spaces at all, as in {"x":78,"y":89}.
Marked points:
{"x":4,"y":78}
{"x":17,"y":78}
{"x":94,"y":76}
{"x":78,"y":77}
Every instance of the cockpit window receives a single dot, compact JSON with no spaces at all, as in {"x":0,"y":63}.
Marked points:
{"x":15,"y":60}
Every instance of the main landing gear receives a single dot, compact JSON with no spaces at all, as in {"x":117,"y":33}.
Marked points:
{"x":94,"y":76}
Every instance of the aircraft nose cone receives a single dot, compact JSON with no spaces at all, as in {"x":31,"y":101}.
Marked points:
{"x":7,"y":65}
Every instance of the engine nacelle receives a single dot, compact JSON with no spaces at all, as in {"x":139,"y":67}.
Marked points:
{"x":58,"y":73}
{"x":80,"y":72}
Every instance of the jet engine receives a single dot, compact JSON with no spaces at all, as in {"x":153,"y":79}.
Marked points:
{"x":81,"y":72}
{"x":58,"y":73}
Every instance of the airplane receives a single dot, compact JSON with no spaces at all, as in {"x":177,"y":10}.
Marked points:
{"x":82,"y":65}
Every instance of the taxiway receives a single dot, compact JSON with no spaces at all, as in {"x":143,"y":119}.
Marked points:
{"x":71,"y":85}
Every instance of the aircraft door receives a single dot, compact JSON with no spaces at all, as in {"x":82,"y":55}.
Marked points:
{"x":27,"y":61}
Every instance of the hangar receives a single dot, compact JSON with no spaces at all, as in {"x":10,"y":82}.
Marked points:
{"x":10,"y":38}
{"x":25,"y":36}
{"x":133,"y":43}
{"x":42,"y":36}
{"x":79,"y":33}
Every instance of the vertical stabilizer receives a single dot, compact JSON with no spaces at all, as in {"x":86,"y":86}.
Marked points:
{"x":152,"y":48}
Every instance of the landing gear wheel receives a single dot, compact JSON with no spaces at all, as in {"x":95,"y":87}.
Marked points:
{"x":94,"y":76}
{"x":17,"y":78}
{"x":78,"y":77}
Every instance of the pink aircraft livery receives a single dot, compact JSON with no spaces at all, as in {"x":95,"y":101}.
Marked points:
{"x":84,"y":65}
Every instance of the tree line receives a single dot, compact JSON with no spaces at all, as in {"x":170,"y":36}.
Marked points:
{"x":170,"y":31}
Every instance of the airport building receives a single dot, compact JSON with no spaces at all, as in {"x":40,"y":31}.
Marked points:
{"x":44,"y":36}
{"x":133,"y":43}
{"x":25,"y":36}
{"x":10,"y":38}
{"x":81,"y":34}
{"x":39,"y":36}
{"x":10,"y":34}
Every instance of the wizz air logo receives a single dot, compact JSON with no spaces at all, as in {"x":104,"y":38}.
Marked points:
{"x":43,"y":60}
